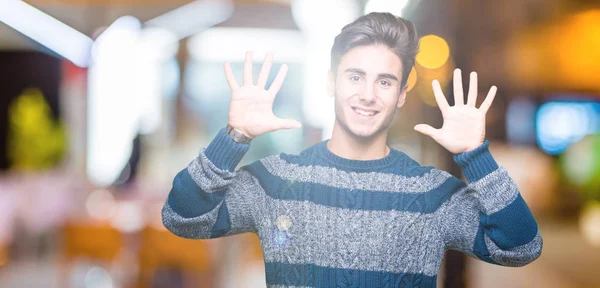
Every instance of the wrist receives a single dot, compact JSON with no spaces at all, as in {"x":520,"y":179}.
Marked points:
{"x":470,"y":148}
{"x":225,"y":153}
{"x":238,"y":135}
{"x":476,"y":163}
{"x":240,"y":129}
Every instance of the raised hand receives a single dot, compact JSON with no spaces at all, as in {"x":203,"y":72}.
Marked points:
{"x":464,"y":125}
{"x":251,"y":107}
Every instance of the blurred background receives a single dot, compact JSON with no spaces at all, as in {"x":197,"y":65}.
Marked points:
{"x":102,"y":102}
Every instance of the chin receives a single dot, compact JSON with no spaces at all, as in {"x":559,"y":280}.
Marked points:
{"x":362,"y":133}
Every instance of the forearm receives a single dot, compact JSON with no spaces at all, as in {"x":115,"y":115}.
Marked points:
{"x":506,"y":231}
{"x":197,"y":200}
{"x":507,"y":228}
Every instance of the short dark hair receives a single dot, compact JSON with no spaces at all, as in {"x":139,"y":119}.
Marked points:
{"x":399,"y":34}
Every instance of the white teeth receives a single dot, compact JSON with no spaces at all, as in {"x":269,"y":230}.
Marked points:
{"x":364,"y":113}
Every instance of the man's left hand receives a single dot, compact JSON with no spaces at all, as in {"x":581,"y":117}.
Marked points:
{"x":464,"y":125}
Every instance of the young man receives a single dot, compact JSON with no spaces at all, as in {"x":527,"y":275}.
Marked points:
{"x":350,"y":211}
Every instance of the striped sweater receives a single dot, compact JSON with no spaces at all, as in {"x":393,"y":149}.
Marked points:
{"x":327,"y":221}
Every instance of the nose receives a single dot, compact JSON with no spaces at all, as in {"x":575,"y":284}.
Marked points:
{"x":368,"y":93}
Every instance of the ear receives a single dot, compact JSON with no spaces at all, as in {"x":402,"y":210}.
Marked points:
{"x":331,"y":83}
{"x":402,"y":97}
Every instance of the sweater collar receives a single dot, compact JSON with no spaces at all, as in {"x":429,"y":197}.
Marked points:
{"x":389,"y":159}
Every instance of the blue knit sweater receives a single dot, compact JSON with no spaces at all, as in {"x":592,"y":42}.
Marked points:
{"x":327,"y":221}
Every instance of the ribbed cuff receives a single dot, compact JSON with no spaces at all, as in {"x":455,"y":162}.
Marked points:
{"x":225,"y":153}
{"x":476,"y":163}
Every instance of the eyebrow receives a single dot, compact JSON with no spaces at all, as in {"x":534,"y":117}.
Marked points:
{"x":362,"y":72}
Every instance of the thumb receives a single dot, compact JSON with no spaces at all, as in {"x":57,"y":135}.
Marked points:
{"x":288,"y":124}
{"x":427,"y":130}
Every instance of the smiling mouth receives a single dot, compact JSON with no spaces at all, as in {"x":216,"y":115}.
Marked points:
{"x":364,"y":112}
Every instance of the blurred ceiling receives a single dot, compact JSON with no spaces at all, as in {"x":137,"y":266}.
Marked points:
{"x":533,"y":45}
{"x":87,"y":16}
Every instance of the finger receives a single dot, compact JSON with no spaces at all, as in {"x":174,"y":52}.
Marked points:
{"x":230,"y":78}
{"x":274,"y":89}
{"x":265,"y":70}
{"x":439,"y":96}
{"x":248,"y":69}
{"x":427,"y":130}
{"x":458,"y":89}
{"x":288,"y":124}
{"x":485,"y":106}
{"x":472,"y":98}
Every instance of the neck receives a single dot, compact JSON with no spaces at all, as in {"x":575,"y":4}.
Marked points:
{"x":349,"y":146}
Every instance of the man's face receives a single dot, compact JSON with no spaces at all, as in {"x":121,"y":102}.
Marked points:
{"x":367,"y":90}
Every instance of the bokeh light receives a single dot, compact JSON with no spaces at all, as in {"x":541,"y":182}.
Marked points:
{"x":128,"y":217}
{"x":100,"y":204}
{"x":581,"y":166}
{"x":434,"y":52}
{"x":575,"y":47}
{"x":588,"y":223}
{"x":563,"y":123}
{"x":98,"y":277}
{"x":569,"y":45}
{"x":425,"y":76}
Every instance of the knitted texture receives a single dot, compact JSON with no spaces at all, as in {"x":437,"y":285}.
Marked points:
{"x":327,"y":221}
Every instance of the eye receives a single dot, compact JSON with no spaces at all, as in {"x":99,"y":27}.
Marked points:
{"x":385,"y":83}
{"x":354,"y":78}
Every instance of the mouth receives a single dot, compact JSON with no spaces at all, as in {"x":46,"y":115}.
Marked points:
{"x":365,"y":113}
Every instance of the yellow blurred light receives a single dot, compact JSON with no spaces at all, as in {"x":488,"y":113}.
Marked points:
{"x":558,"y":56}
{"x":412,"y":79}
{"x":577,"y":46}
{"x":528,"y":59}
{"x":434,"y":52}
{"x":425,"y":76}
{"x":589,"y":220}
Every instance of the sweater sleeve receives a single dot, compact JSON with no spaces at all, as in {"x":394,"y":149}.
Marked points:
{"x":488,"y":219}
{"x":209,"y":199}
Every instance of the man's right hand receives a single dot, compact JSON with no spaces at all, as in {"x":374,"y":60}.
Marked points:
{"x":251,"y":107}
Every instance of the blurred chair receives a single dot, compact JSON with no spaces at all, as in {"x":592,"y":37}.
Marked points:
{"x":96,"y":241}
{"x":160,"y":248}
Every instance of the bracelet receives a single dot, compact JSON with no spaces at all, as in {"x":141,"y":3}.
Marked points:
{"x":237,"y":136}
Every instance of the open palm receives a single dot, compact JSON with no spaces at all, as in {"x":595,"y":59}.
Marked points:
{"x":464,"y":125}
{"x":251,"y":107}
